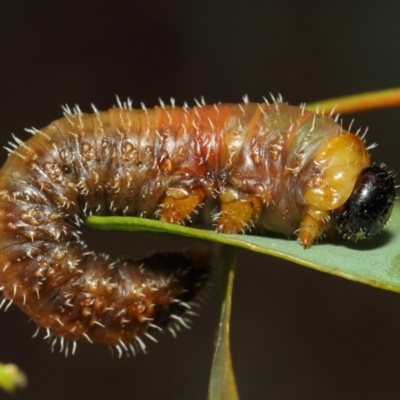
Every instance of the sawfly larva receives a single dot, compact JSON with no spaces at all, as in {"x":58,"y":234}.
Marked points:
{"x":242,"y":167}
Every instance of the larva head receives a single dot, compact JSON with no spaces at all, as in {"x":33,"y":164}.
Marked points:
{"x":369,"y":206}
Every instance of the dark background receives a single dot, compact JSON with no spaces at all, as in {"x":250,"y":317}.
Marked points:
{"x":296,"y":333}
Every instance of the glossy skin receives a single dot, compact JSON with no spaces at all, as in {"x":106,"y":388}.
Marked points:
{"x":369,"y":207}
{"x":269,"y":167}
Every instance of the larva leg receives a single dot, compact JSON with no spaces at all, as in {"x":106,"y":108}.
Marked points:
{"x":238,"y":211}
{"x":179,"y":203}
{"x":313,"y":224}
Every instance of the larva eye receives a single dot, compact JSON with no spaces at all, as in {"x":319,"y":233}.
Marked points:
{"x":369,"y":207}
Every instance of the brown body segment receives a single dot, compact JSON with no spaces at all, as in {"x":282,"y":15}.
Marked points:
{"x":269,"y":167}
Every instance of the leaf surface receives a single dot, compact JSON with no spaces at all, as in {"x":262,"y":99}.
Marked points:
{"x":374,"y":262}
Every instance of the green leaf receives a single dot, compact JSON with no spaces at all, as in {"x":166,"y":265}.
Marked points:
{"x":222,"y":384}
{"x":375,"y":262}
{"x":11,"y":377}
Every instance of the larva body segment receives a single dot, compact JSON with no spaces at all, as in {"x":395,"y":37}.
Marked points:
{"x":271,"y":167}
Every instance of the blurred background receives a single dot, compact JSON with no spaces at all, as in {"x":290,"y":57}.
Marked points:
{"x":296,"y":333}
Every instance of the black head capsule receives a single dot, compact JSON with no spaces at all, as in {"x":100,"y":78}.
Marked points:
{"x":368,"y":208}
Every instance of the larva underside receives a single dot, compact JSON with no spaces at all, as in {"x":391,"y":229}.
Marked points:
{"x":240,"y":166}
